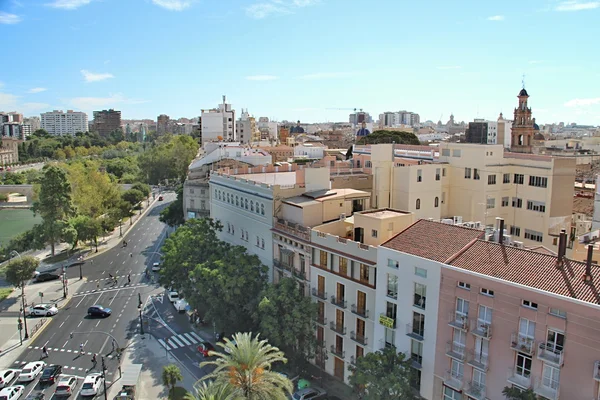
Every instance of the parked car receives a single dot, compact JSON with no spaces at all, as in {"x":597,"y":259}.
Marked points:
{"x":91,"y":385}
{"x":181,"y":305}
{"x":30,"y":371}
{"x":204,"y":348}
{"x":49,"y":275}
{"x":309,"y":394}
{"x":156,"y":266}
{"x":66,"y":386}
{"x":12,"y":392}
{"x":173,"y":296}
{"x":50,"y":374}
{"x":7,"y":376}
{"x":36,"y":396}
{"x":160,"y":198}
{"x":99,"y":311}
{"x":43,"y":310}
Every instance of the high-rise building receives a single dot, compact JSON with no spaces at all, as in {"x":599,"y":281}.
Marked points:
{"x":522,"y":127}
{"x":61,"y":123}
{"x":482,"y":132}
{"x":162,"y":124}
{"x":106,"y":122}
{"x":219,"y":123}
{"x":246,"y":129}
{"x":359,"y":117}
{"x":399,"y":118}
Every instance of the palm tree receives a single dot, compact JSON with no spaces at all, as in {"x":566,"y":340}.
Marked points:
{"x":211,"y":391}
{"x":170,"y":376}
{"x":246,"y":367}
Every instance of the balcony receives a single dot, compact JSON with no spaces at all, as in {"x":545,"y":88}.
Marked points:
{"x":337,"y":301}
{"x":293,"y":229}
{"x":519,"y":377}
{"x":360,"y":311}
{"x":522,"y":344}
{"x":387,"y":321}
{"x":385,"y":345}
{"x":597,"y":371}
{"x":321,"y":320}
{"x":416,"y":361}
{"x":475,"y":390}
{"x":478,"y":360}
{"x":358,"y":338}
{"x":353,"y":360}
{"x":280,"y":265}
{"x":458,"y":321}
{"x":415,"y":332}
{"x":481,"y":329}
{"x":548,"y":353}
{"x":455,"y":350}
{"x":298,"y":274}
{"x":339,"y":328}
{"x":321,"y":343}
{"x":547,"y":389}
{"x":338,"y":352}
{"x":454,"y":380}
{"x":319,"y":294}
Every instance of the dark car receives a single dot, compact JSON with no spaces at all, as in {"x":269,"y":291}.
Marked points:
{"x":99,"y":311}
{"x":160,"y":198}
{"x":49,"y":275}
{"x":205,"y":347}
{"x":36,"y":396}
{"x":50,"y":374}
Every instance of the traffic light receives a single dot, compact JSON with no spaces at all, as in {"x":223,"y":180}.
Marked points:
{"x":20,"y":324}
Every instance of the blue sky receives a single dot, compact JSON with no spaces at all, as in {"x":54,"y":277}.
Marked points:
{"x":302,"y":59}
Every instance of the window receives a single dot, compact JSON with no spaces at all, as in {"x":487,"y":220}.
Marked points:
{"x":390,"y":337}
{"x":518,"y":179}
{"x":515,"y":230}
{"x":416,"y":351}
{"x":491,"y":179}
{"x":478,"y":378}
{"x":533,"y":235}
{"x":459,"y":341}
{"x":436,"y":202}
{"x":246,"y":204}
{"x":343,"y":266}
{"x":491,"y":203}
{"x":484,"y":317}
{"x":526,"y":329}
{"x":457,"y":370}
{"x":486,"y":292}
{"x":505,"y":202}
{"x":374,"y":233}
{"x":539,"y":206}
{"x":262,"y":209}
{"x":418,"y":204}
{"x":451,"y":394}
{"x":443,"y":171}
{"x":203,"y":204}
{"x":237,"y":201}
{"x":228,"y":227}
{"x":437,"y":174}
{"x":393,"y":263}
{"x":538,"y":181}
{"x":475,"y":174}
{"x":462,"y":309}
{"x":551,"y":377}
{"x":456,"y":153}
{"x":420,"y":295}
{"x":418,"y":327}
{"x":419,"y":175}
{"x":262,"y":243}
{"x":368,"y":164}
{"x":467,"y":173}
{"x":517,"y":202}
{"x":529,"y":304}
{"x":228,"y":197}
{"x":422,"y":272}
{"x":251,"y":206}
{"x":257,"y":241}
{"x":323,"y":259}
{"x":523,"y":365}
{"x":445,"y":152}
{"x":464,"y":285}
{"x":364,"y":273}
{"x":555,"y":341}
{"x":505,"y":178}
{"x":557,"y":312}
{"x":392,"y":286}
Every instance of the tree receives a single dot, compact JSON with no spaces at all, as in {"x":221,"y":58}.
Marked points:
{"x":384,"y":136}
{"x":19,"y":271}
{"x":132,"y":196}
{"x":513,"y":393}
{"x":142,"y":187}
{"x":168,"y":160}
{"x":212,"y":391}
{"x":172,"y":215}
{"x":385,"y":374}
{"x":86,"y":228}
{"x":170,"y":376}
{"x":53,"y":202}
{"x":287,"y":318}
{"x":246,"y":366}
{"x":93,"y":190}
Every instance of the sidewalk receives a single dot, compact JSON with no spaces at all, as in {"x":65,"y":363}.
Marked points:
{"x":151,"y":355}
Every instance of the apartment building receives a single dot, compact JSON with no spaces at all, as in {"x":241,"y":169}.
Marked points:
{"x":343,"y":279}
{"x":61,"y":123}
{"x":218,"y":123}
{"x":106,"y":122}
{"x":162,"y":124}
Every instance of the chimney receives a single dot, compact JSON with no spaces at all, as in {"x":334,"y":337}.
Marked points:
{"x":562,"y":247}
{"x":500,"y":230}
{"x":587,"y":277}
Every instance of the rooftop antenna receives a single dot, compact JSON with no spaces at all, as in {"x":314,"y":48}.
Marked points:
{"x":523,"y":81}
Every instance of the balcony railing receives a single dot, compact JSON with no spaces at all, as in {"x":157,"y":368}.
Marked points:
{"x":478,"y":360}
{"x":597,"y":371}
{"x":519,"y":377}
{"x":475,"y":390}
{"x":387,"y":321}
{"x":282,"y":266}
{"x":547,"y":389}
{"x":358,"y":338}
{"x":384,"y":345}
{"x":458,"y":321}
{"x":337,"y":301}
{"x":298,"y":274}
{"x":321,"y":320}
{"x":481,"y":329}
{"x":339,"y":328}
{"x":454,"y":379}
{"x":337,"y":352}
{"x":522,"y":344}
{"x":292,"y":228}
{"x":321,"y":343}
{"x":360,"y":311}
{"x":455,"y":350}
{"x":415,"y":332}
{"x":549,"y":353}
{"x":416,"y":361}
{"x":320,"y":294}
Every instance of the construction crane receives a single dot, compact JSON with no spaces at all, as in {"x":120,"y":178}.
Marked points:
{"x":344,"y":109}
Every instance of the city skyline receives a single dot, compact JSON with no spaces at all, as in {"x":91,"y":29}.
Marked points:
{"x":308,"y":60}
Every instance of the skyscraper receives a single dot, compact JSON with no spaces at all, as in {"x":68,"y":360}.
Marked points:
{"x":106,"y":121}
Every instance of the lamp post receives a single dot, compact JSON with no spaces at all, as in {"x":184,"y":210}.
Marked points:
{"x":104,"y":379}
{"x":141,"y":321}
{"x":26,"y":336}
{"x":120,"y":227}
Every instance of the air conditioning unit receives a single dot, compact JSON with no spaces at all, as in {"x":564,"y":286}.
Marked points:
{"x":342,"y":216}
{"x":457,"y":219}
{"x":518,"y":245}
{"x":448,"y":221}
{"x":477,"y":225}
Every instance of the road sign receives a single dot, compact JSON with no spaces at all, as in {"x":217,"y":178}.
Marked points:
{"x":41,"y":294}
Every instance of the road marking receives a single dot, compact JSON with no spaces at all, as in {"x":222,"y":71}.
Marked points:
{"x":46,"y":344}
{"x":69,"y":351}
{"x":197,"y":337}
{"x":184,"y":340}
{"x":80,"y":301}
{"x":163,"y":344}
{"x":80,"y":322}
{"x":62,"y":350}
{"x":177,"y":342}
{"x":190,"y":338}
{"x":97,"y":323}
{"x":65,"y":343}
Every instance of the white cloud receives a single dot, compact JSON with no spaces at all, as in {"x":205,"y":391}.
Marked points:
{"x":496,"y":18}
{"x":95,"y":77}
{"x":37,"y":90}
{"x":173,"y":5}
{"x":10,"y":102}
{"x":28,"y":108}
{"x":327,"y":75}
{"x":582,"y":102}
{"x":92,"y":103}
{"x":447,"y":67}
{"x":277,"y":7}
{"x":69,"y":4}
{"x":262,"y":77}
{"x":577,"y":5}
{"x":9,"y":19}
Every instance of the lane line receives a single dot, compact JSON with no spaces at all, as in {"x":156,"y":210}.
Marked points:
{"x":80,"y":301}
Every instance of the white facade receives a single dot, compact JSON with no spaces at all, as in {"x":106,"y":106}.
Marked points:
{"x":214,"y":152}
{"x":58,"y":122}
{"x":218,"y":122}
{"x":309,"y":151}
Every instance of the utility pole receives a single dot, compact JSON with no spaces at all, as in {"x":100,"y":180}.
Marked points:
{"x":22,"y":300}
{"x":104,"y":379}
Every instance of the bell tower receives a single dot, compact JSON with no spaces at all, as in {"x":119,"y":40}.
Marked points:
{"x":522,"y":128}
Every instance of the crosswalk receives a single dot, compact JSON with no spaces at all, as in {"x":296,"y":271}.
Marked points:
{"x":181,"y":340}
{"x":111,"y":288}
{"x":57,"y":350}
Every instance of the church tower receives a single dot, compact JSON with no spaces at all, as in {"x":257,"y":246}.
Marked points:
{"x":522,"y":128}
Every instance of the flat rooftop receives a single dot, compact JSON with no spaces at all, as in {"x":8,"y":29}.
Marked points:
{"x":271,"y":178}
{"x":383,"y":214}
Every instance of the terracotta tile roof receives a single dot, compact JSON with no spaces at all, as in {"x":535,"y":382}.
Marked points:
{"x":529,"y":268}
{"x":543,"y":250}
{"x":433,"y":240}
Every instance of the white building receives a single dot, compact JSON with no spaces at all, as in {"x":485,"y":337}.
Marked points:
{"x":61,"y":123}
{"x":309,"y":150}
{"x":218,"y":123}
{"x":268,"y":129}
{"x":246,"y":129}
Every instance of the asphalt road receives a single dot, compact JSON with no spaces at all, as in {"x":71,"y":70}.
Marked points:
{"x":144,"y":240}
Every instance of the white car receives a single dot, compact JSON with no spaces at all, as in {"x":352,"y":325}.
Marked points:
{"x":91,"y":385}
{"x":7,"y":376}
{"x":173,"y":296}
{"x":181,"y":305}
{"x":12,"y":392}
{"x":156,"y":267}
{"x":31,"y":370}
{"x":66,"y":386}
{"x":43,"y":310}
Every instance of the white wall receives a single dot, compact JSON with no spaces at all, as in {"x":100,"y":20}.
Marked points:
{"x":64,"y":123}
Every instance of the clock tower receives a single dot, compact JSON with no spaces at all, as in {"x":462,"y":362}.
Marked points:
{"x":523,"y":126}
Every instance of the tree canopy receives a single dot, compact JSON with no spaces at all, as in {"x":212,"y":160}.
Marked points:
{"x":93,"y":190}
{"x":171,"y":374}
{"x":386,"y":136}
{"x":20,"y":270}
{"x":513,"y":393}
{"x":168,"y":160}
{"x":172,"y":215}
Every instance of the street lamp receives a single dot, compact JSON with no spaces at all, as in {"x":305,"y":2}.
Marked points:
{"x":120,"y":228}
{"x":22,"y":298}
{"x":141,"y":321}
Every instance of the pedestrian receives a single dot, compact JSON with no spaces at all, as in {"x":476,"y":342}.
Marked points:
{"x":44,"y":352}
{"x":130,"y":254}
{"x":116,"y":280}
{"x":97,"y":285}
{"x":94,"y":358}
{"x":110,"y":276}
{"x":81,"y":349}
{"x":129,"y":279}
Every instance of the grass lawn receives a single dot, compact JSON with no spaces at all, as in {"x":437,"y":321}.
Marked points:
{"x":14,"y":222}
{"x":4,"y":292}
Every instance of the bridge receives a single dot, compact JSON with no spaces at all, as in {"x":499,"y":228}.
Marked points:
{"x":25,"y":190}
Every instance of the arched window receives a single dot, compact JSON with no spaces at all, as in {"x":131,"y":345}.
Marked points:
{"x":246,"y":204}
{"x":228,"y":197}
{"x":436,"y":202}
{"x":262,"y":209}
{"x":251,"y":206}
{"x":418,"y":205}
{"x":262,"y":243}
{"x":237,"y":201}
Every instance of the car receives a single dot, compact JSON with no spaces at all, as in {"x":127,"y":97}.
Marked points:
{"x":36,"y":396}
{"x":173,"y":296}
{"x":43,"y":276}
{"x":99,"y":311}
{"x":181,"y":305}
{"x":233,"y":342}
{"x":66,"y":386}
{"x":91,"y":385}
{"x":30,"y":371}
{"x":204,"y":348}
{"x":43,"y":310}
{"x":50,"y":374}
{"x":12,"y":392}
{"x":156,"y":266}
{"x":309,"y":394}
{"x":160,"y":198}
{"x":7,"y":376}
